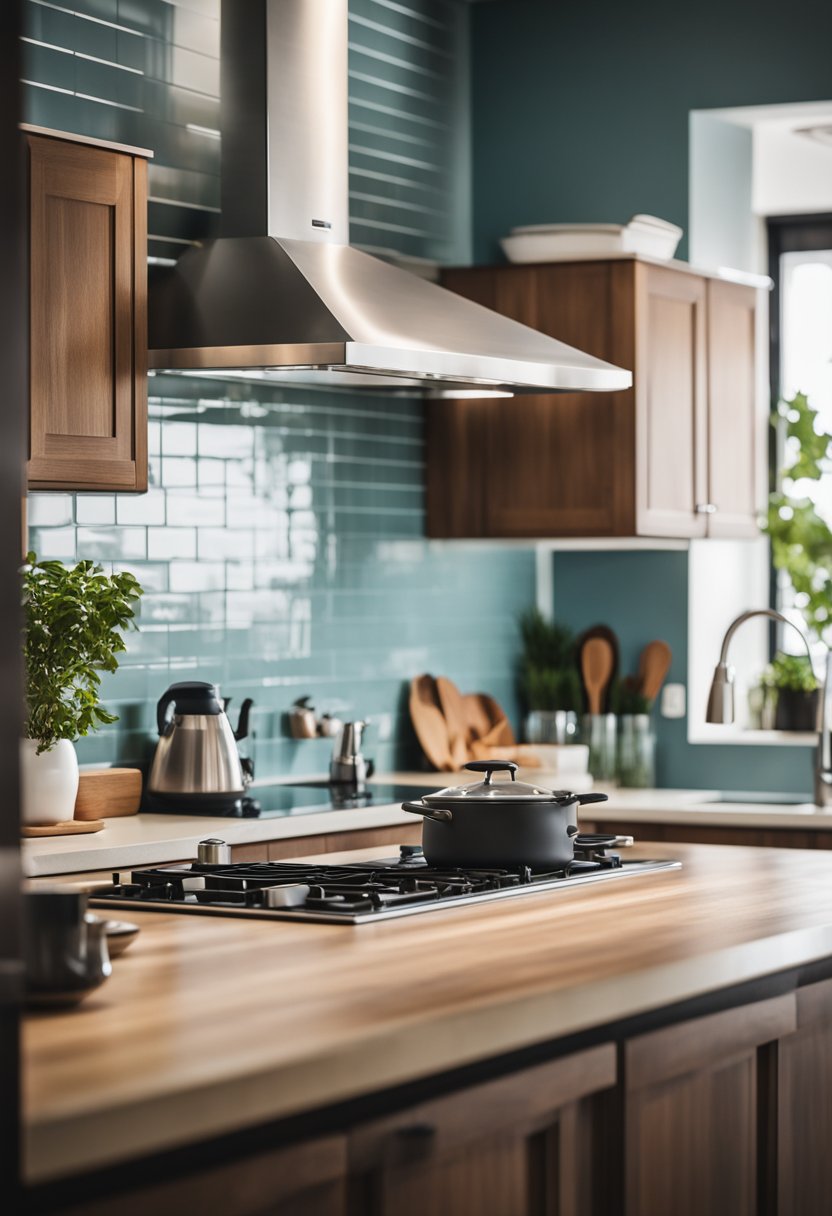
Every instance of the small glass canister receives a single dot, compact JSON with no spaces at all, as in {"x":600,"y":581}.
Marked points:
{"x":555,"y":726}
{"x":598,"y":730}
{"x":636,"y":752}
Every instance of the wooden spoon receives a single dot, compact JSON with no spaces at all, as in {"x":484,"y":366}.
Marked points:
{"x":597,"y":660}
{"x":429,"y":722}
{"x":453,"y":709}
{"x":653,"y":666}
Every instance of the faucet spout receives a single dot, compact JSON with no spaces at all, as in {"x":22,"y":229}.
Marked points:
{"x":721,"y":700}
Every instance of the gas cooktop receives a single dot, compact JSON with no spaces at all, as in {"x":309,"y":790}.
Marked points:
{"x":357,"y":893}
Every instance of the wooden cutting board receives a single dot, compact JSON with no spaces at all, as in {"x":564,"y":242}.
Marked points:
{"x":429,"y":722}
{"x":452,"y":705}
{"x":106,"y":793}
{"x":70,"y":827}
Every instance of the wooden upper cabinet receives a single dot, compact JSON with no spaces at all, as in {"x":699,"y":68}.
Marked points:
{"x":88,"y":317}
{"x":671,"y":403}
{"x":737,"y":447}
{"x":650,"y":461}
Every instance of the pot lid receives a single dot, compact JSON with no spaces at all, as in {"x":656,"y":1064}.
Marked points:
{"x":490,"y":790}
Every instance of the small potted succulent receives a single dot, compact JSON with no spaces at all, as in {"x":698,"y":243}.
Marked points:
{"x":74,"y":618}
{"x":790,"y":683}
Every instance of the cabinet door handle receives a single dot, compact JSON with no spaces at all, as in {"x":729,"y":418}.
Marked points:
{"x":706,"y":508}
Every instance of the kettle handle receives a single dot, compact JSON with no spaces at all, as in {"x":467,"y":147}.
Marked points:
{"x":242,"y":724}
{"x":163,"y":716}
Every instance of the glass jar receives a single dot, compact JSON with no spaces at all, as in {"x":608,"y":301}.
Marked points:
{"x":636,"y":752}
{"x":598,"y":731}
{"x":551,"y":726}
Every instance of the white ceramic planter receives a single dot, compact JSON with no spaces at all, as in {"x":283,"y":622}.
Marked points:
{"x":49,"y":782}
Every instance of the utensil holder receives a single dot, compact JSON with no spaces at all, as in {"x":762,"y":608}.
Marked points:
{"x":599,"y":732}
{"x":636,"y":752}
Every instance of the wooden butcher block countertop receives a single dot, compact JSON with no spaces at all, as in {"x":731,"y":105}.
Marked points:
{"x":212,"y":1024}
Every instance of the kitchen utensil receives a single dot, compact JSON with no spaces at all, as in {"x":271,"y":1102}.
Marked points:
{"x":477,"y":718}
{"x":72,"y":827}
{"x":500,"y":733}
{"x":505,"y":823}
{"x":348,"y":766}
{"x":108,"y":793}
{"x":429,"y":722}
{"x":653,"y":666}
{"x":609,"y":635}
{"x":453,"y":708}
{"x":302,"y":721}
{"x":120,"y":934}
{"x":65,"y":956}
{"x":196,"y":760}
{"x":597,"y":659}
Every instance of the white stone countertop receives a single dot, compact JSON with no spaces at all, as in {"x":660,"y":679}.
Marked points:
{"x":150,"y":839}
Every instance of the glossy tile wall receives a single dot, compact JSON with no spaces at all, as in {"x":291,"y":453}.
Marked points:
{"x":281,"y":548}
{"x":281,"y":542}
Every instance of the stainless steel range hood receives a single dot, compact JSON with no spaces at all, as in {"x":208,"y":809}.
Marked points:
{"x":282,"y":294}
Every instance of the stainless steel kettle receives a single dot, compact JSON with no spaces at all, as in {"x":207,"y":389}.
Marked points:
{"x":196,"y":761}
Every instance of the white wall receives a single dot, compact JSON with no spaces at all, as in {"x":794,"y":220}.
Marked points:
{"x":792,"y":173}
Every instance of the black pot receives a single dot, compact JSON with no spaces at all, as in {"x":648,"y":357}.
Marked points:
{"x":499,"y":824}
{"x":797,"y":709}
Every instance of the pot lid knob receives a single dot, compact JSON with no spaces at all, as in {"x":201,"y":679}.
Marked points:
{"x":491,"y":766}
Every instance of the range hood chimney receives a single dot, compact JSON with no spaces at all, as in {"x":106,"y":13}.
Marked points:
{"x":281,"y":294}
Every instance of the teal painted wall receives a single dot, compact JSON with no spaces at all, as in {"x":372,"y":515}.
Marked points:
{"x":580,"y":111}
{"x":281,"y":544}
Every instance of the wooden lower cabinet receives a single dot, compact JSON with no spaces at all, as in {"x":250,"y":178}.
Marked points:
{"x":681,"y":833}
{"x":307,"y":1179}
{"x":804,"y":1108}
{"x":726,"y":1114}
{"x":694,"y":1115}
{"x":519,"y":1146}
{"x":328,"y":842}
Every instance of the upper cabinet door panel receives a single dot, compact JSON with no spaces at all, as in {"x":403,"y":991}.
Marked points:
{"x":736,"y":423}
{"x":671,"y":403}
{"x":561,"y":465}
{"x":87,"y":300}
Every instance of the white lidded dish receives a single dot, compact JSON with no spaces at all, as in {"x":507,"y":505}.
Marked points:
{"x":644,"y":235}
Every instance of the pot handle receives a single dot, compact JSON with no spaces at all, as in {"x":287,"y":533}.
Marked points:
{"x":437,"y":814}
{"x":583,"y":799}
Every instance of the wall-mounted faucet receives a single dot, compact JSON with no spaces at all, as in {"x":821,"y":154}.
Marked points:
{"x":721,"y":700}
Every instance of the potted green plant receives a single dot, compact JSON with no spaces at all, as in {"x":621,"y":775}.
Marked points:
{"x":801,"y":539}
{"x":790,"y":683}
{"x":74,"y":618}
{"x":549,"y":682}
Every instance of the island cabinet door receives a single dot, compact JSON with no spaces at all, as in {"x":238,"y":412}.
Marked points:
{"x":804,"y":1103}
{"x":308,"y":1179}
{"x":524,"y":1145}
{"x":693,"y":1111}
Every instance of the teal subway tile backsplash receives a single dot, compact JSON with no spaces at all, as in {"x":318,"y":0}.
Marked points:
{"x":300,"y":567}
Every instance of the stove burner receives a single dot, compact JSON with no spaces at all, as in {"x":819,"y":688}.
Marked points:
{"x":356,"y":892}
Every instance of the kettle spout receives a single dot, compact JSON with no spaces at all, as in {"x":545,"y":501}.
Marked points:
{"x":242,"y":723}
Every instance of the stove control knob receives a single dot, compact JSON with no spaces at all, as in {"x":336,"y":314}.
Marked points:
{"x":213,"y":852}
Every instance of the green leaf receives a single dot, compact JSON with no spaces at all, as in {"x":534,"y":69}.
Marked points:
{"x":74,"y":618}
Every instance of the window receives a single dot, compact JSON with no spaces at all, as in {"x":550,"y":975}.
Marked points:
{"x":800,"y":256}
